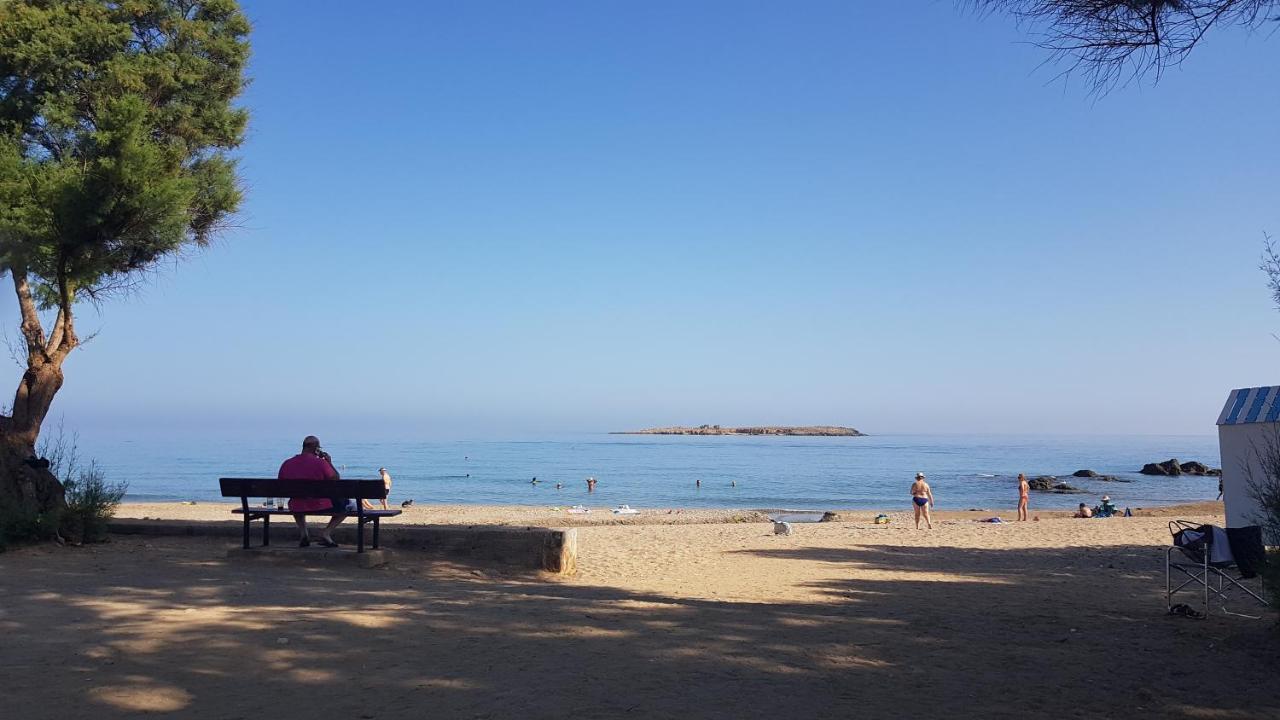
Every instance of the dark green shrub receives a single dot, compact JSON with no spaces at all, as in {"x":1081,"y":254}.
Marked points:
{"x":91,"y":503}
{"x":18,"y":526}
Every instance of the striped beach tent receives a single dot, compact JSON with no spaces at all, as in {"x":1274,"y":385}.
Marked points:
{"x":1248,"y":430}
{"x":1251,"y":405}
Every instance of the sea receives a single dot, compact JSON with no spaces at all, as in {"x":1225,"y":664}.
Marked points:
{"x":652,"y":471}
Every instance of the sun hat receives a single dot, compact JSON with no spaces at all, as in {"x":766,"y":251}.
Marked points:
{"x":919,"y":476}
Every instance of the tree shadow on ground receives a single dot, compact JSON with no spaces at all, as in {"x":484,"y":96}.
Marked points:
{"x":169,"y":626}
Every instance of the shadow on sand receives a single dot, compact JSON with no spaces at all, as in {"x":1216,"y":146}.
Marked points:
{"x":169,"y":626}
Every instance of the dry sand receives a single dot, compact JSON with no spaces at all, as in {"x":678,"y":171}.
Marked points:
{"x":719,"y":619}
{"x":559,"y":516}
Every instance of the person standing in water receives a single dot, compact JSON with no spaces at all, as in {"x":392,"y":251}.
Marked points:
{"x":922,"y":500}
{"x":1024,"y":496}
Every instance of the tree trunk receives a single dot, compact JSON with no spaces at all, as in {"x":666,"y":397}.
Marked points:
{"x":25,"y":486}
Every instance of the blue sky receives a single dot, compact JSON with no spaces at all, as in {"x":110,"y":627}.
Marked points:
{"x":517,"y":219}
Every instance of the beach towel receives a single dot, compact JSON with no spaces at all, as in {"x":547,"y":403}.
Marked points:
{"x":578,"y":510}
{"x":624,"y":510}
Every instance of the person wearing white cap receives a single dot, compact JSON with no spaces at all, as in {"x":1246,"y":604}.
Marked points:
{"x":922,"y":500}
{"x":386,"y":482}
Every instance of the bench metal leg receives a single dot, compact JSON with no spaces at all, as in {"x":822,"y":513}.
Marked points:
{"x":375,"y":532}
{"x":359,"y":525}
{"x":266,"y":530}
{"x":244,"y":508}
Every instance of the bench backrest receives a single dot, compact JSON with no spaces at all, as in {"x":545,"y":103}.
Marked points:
{"x":270,"y":487}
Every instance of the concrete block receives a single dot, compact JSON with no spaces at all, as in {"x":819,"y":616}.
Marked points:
{"x":553,"y":550}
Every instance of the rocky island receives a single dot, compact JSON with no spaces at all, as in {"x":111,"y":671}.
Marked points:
{"x":805,"y":430}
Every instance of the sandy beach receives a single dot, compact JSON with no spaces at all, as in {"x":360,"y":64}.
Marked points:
{"x":559,"y":516}
{"x":713,"y":619}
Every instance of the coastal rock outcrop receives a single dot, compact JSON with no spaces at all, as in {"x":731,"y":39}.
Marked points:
{"x":1084,"y":473}
{"x":1168,"y":467}
{"x":1173,"y":468}
{"x":1198,"y":468}
{"x":1042,"y":483}
{"x":1049,"y":483}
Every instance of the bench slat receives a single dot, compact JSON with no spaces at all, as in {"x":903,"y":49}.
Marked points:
{"x":271,"y":487}
{"x":269,"y":511}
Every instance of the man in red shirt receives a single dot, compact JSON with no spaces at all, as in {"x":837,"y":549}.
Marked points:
{"x":313,"y":464}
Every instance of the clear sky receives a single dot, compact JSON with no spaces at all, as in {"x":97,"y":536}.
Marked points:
{"x":470,"y":219}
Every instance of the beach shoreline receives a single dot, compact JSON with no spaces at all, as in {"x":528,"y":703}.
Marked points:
{"x":558,"y":516}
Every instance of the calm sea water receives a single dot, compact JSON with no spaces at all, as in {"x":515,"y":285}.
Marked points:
{"x":661,"y":471}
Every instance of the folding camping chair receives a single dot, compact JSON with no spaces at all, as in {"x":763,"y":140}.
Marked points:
{"x":1205,"y":555}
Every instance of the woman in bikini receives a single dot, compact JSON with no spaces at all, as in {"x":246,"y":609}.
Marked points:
{"x":922,"y":500}
{"x":1024,"y":496}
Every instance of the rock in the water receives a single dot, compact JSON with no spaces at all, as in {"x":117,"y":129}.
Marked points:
{"x":1198,"y":468}
{"x":1174,"y":468}
{"x":1168,"y":467}
{"x":1110,"y":478}
{"x":1042,"y":483}
{"x":1065,"y":488}
{"x":1084,"y":473}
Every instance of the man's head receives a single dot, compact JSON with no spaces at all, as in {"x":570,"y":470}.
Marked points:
{"x":310,"y":444}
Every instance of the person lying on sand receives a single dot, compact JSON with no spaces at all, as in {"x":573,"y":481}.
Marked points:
{"x":921,"y":500}
{"x":1083,"y":512}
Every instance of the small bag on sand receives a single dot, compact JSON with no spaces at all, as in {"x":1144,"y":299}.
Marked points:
{"x":782,"y":528}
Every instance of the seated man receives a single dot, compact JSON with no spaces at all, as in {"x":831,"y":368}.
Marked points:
{"x":313,"y":464}
{"x":1083,"y":512}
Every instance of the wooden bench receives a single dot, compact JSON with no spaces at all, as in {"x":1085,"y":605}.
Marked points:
{"x":245,"y":488}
